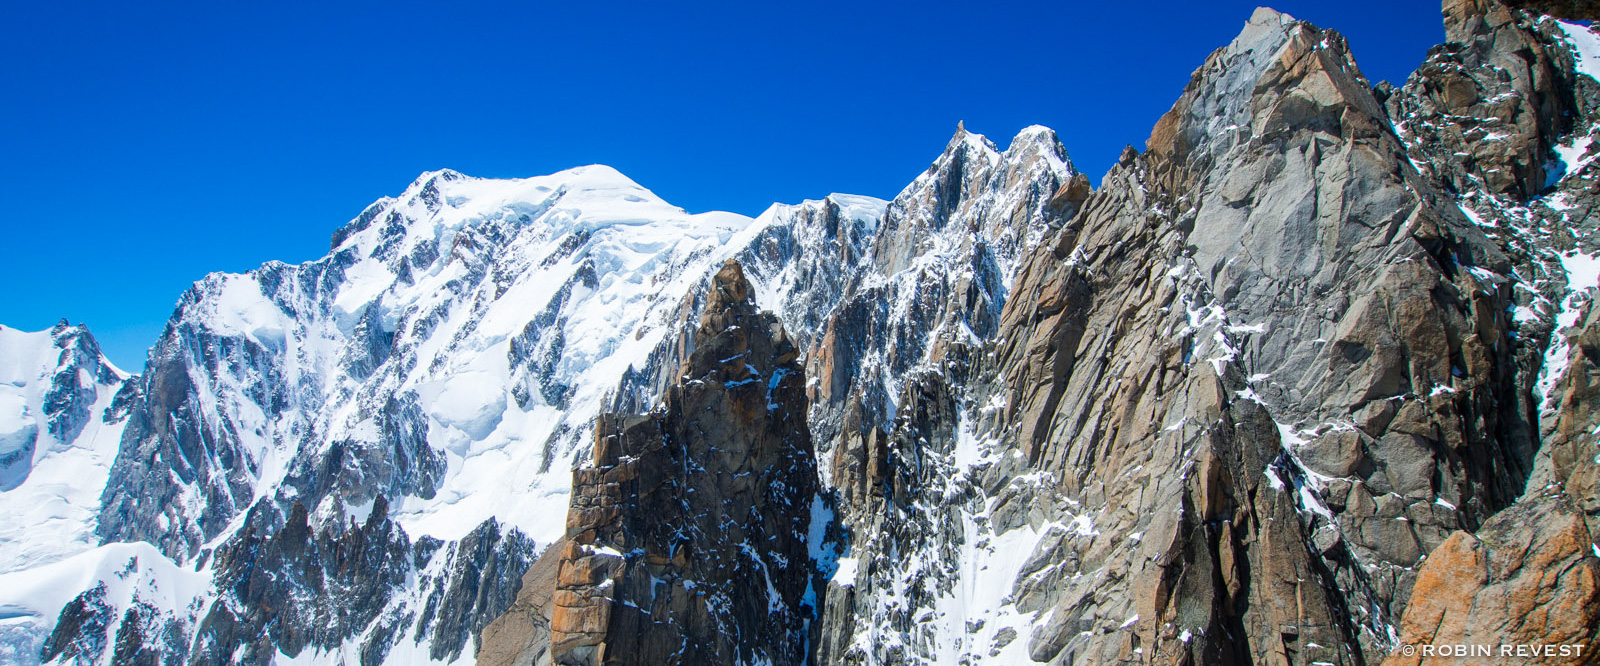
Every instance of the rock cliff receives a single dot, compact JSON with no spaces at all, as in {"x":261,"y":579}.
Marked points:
{"x":687,"y":535}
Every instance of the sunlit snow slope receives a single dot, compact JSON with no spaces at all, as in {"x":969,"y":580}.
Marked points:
{"x":57,"y":440}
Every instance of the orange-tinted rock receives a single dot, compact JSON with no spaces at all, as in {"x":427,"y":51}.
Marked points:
{"x":1529,"y":577}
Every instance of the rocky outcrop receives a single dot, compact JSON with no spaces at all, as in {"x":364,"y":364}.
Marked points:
{"x":1528,"y":577}
{"x":80,"y":631}
{"x":521,"y":636}
{"x":185,"y":469}
{"x":308,"y":590}
{"x":687,"y":535}
{"x":1531,"y":574}
{"x":59,"y":387}
{"x":1569,"y":462}
{"x":1488,"y":105}
{"x":1580,"y":10}
{"x":81,"y":371}
{"x":938,"y":273}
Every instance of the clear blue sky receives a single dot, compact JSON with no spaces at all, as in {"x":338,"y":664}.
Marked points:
{"x":144,"y":146}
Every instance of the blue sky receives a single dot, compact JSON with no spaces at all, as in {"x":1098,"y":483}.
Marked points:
{"x":144,"y":146}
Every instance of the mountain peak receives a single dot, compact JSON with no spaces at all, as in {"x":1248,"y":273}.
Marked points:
{"x":1267,"y":16}
{"x":729,"y":289}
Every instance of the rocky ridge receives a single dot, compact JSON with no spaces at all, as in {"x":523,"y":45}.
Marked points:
{"x":686,"y":537}
{"x":1270,"y":365}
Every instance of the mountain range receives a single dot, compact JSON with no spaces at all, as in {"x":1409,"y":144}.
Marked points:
{"x":1310,"y":379}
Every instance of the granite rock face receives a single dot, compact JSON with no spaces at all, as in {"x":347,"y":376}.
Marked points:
{"x":1528,"y":577}
{"x":1269,"y":365}
{"x":1490,"y":102}
{"x":687,"y":535}
{"x":1568,"y":460}
{"x":521,"y":635}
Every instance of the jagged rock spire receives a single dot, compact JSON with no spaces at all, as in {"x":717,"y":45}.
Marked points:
{"x":687,"y":535}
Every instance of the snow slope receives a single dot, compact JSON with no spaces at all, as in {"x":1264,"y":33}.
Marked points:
{"x":50,"y":495}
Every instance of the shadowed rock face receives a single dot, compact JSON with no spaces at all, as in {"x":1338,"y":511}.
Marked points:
{"x":1531,"y":574}
{"x":1581,"y":10}
{"x":1569,"y":459}
{"x":687,"y":536}
{"x":304,"y":590}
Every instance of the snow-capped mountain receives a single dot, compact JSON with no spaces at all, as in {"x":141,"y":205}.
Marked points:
{"x":445,"y":361}
{"x":61,"y":419}
{"x":62,"y":411}
{"x":448,"y":356}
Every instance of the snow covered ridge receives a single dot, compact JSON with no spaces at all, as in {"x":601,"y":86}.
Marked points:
{"x":62,"y":411}
{"x":485,"y":322}
{"x":58,"y":435}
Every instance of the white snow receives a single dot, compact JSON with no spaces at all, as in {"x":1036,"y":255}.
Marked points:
{"x":1586,"y":46}
{"x":1586,"y":58}
{"x":1290,"y":437}
{"x":242,"y":309}
{"x":1583,"y":277}
{"x":1273,"y":479}
{"x":1583,"y":271}
{"x":1572,"y":155}
{"x":846,"y":575}
{"x":472,"y":402}
{"x":18,"y":427}
{"x":31,"y":599}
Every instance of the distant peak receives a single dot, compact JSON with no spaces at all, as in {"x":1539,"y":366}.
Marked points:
{"x":965,"y":137}
{"x":1037,"y":137}
{"x":1268,"y":16}
{"x":1036,"y":130}
{"x":436,"y":175}
{"x":441,"y":174}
